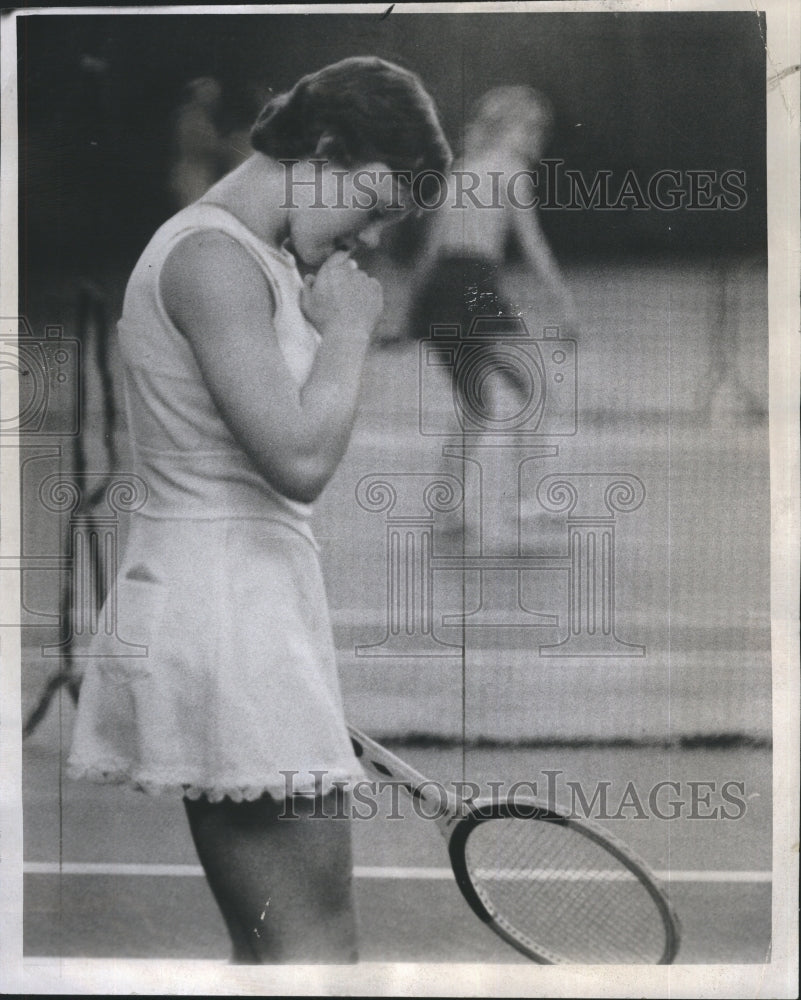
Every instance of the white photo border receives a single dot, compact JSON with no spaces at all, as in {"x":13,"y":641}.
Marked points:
{"x":778,"y":977}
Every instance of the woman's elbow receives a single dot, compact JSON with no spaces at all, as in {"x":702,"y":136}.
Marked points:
{"x":306,"y":492}
{"x":304,"y":480}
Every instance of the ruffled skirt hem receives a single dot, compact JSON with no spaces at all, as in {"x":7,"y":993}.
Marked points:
{"x":317,"y":782}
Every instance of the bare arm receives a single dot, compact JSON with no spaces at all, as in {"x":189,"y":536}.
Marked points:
{"x":217,"y":296}
{"x":540,"y":258}
{"x":538,"y":253}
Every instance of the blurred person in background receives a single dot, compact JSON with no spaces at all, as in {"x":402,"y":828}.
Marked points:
{"x":459,"y":274}
{"x":204,"y":149}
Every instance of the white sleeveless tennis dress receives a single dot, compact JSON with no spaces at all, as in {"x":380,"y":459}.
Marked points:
{"x":220,"y":580}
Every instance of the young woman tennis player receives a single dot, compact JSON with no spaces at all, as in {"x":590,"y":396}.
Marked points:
{"x":242,"y":383}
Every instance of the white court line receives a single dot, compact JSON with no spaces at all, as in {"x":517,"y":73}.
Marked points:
{"x":360,"y":871}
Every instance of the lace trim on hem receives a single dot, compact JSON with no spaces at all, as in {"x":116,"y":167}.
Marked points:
{"x":294,"y":784}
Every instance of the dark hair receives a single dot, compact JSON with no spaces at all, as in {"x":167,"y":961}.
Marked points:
{"x":370,"y":110}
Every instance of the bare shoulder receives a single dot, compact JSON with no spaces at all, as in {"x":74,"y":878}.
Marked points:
{"x":208,"y":274}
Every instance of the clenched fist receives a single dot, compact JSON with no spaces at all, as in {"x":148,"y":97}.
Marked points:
{"x":342,"y":297}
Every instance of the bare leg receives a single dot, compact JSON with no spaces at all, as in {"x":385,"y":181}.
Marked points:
{"x":284,"y":885}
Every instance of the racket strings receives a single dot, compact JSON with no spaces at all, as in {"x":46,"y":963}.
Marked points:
{"x":555,"y":889}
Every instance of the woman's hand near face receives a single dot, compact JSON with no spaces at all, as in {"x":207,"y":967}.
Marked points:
{"x":341,"y":299}
{"x":218,"y":297}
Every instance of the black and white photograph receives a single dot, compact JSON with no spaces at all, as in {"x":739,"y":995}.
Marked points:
{"x":400,"y":500}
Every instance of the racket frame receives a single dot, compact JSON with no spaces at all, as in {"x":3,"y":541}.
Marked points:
{"x":456,"y":819}
{"x":535,"y":810}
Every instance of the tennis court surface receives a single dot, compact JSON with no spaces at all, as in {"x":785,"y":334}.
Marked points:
{"x":114,"y":874}
{"x":664,"y":374}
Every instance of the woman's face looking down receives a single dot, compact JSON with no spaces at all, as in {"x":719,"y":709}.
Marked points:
{"x":332,"y":207}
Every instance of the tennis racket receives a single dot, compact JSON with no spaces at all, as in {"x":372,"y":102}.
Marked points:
{"x":556,"y":888}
